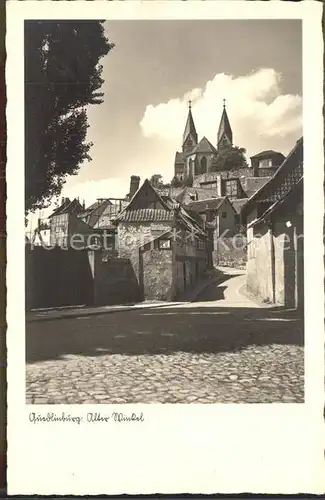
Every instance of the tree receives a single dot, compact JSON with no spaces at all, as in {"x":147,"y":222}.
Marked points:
{"x":176,"y":182}
{"x":62,"y":78}
{"x":157,"y":181}
{"x":229,"y":158}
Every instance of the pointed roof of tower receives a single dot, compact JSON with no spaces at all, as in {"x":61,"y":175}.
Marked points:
{"x":224,"y":127}
{"x":189,"y":127}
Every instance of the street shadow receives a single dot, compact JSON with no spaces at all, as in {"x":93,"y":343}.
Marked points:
{"x":190,"y":328}
{"x":213,"y":291}
{"x":211,"y":294}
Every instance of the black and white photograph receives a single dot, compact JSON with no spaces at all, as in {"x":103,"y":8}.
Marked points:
{"x":164,"y":212}
{"x":165,"y":269}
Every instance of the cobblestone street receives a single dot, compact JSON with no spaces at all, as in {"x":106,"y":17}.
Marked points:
{"x":223,"y":348}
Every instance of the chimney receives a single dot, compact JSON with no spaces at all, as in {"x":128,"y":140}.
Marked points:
{"x":134,"y":185}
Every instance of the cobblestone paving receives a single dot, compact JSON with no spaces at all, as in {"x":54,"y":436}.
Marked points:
{"x":223,"y":349}
{"x":255,"y":375}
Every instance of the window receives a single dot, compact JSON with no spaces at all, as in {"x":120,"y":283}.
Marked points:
{"x":200,"y":245}
{"x":224,"y":215}
{"x":265,"y":163}
{"x":231,"y":188}
{"x":164,"y":244}
{"x":203,"y":165}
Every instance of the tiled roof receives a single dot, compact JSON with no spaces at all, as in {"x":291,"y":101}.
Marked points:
{"x":199,"y":193}
{"x":284,"y":179}
{"x":204,"y":146}
{"x":268,"y":152}
{"x":67,"y":207}
{"x":209,"y":204}
{"x":296,"y":193}
{"x":192,"y":221}
{"x":238,"y":204}
{"x":253,"y":184}
{"x":95,"y":211}
{"x":170,"y":191}
{"x":146,"y":215}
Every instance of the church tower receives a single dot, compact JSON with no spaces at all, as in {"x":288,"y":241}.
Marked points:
{"x":224,"y":132}
{"x":190,"y":135}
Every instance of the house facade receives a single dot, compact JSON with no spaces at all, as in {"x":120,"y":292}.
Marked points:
{"x":266,"y":163}
{"x":67,"y":228}
{"x":274,"y":219}
{"x":166,"y":245}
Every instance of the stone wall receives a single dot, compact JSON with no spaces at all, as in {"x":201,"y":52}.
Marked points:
{"x":132,"y":237}
{"x":158,"y":275}
{"x":161,"y":274}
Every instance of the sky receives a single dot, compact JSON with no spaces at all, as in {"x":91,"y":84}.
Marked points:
{"x":157,"y":66}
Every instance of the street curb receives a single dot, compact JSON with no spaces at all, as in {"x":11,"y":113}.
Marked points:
{"x":78,"y":314}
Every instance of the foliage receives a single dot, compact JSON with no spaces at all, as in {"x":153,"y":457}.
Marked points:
{"x":229,"y":158}
{"x":176,"y":182}
{"x":62,"y":77}
{"x":157,"y":182}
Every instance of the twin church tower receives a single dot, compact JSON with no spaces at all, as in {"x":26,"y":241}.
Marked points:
{"x":198,"y":157}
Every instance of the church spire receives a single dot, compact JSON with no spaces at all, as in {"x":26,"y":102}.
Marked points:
{"x":190,"y":135}
{"x":224,"y":132}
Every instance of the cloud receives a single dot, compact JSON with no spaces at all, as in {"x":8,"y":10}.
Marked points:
{"x":261,"y":116}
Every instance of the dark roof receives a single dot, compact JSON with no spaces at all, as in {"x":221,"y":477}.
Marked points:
{"x":288,"y":174}
{"x":67,"y":207}
{"x":204,"y":146}
{"x":99,"y":206}
{"x":200,"y":193}
{"x":179,"y":157}
{"x":192,"y":221}
{"x":189,"y":127}
{"x":146,"y":215}
{"x":209,"y":204}
{"x":253,"y":184}
{"x":268,"y":152}
{"x":295,"y":193}
{"x":172,"y":192}
{"x":128,"y":208}
{"x":224,"y":127}
{"x":238,"y":204}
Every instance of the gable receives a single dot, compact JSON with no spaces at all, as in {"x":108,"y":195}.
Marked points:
{"x":146,"y":197}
